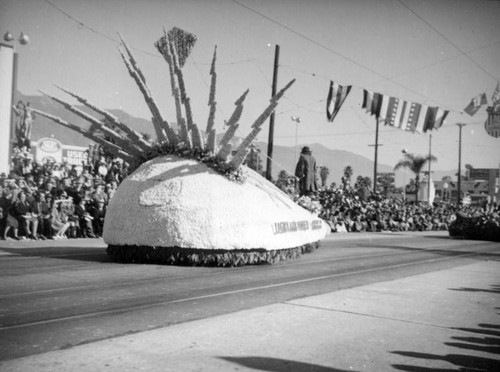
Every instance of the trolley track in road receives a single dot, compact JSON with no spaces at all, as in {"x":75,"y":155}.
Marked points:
{"x":157,"y":303}
{"x":215,"y":271}
{"x":104,"y":300}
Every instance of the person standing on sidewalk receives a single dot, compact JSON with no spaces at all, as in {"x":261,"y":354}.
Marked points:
{"x":305,"y":171}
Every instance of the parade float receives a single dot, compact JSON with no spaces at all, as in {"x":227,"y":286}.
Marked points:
{"x":188,"y":198}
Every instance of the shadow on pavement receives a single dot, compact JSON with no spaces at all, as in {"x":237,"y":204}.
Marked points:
{"x":441,"y":252}
{"x":76,"y":253}
{"x":486,"y":339}
{"x":494,"y":289}
{"x":278,"y":365}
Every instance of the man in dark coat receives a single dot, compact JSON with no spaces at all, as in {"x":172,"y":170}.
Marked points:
{"x":305,"y":171}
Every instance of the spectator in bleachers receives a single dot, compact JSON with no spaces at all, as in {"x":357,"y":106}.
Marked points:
{"x":8,"y":221}
{"x":43,"y":202}
{"x":85,"y":219}
{"x":59,"y":220}
{"x":23,"y":212}
{"x":98,"y":213}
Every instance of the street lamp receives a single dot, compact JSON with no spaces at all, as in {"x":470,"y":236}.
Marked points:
{"x":429,"y":175}
{"x":7,"y":141}
{"x":23,"y":38}
{"x":459,"y":183}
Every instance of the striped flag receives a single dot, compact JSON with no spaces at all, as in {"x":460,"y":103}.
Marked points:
{"x":336,"y":97}
{"x":496,"y":94}
{"x":495,"y":98}
{"x":367,"y":100}
{"x":372,"y":102}
{"x":475,"y":104}
{"x":389,"y":109}
{"x":440,"y":117}
{"x":430,"y":118}
{"x":405,"y":115}
{"x":492,"y":124}
{"x":422,"y":118}
{"x":413,"y":114}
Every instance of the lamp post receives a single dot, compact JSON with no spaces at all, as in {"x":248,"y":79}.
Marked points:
{"x":404,"y":151}
{"x":23,"y":40}
{"x":429,"y":175}
{"x":459,"y":183}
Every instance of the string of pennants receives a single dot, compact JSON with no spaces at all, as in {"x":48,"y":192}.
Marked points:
{"x":410,"y":116}
{"x":405,"y":115}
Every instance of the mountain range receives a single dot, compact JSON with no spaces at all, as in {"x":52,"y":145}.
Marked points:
{"x":284,"y":158}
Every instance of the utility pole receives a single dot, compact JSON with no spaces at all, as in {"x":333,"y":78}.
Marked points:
{"x":376,"y":158}
{"x":459,"y":183}
{"x":269,"y":168}
{"x":429,"y":176}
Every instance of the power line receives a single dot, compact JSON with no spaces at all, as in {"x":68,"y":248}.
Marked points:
{"x":445,"y":38}
{"x":117,"y":42}
{"x":385,"y":78}
{"x":81,"y":24}
{"x":330,"y":50}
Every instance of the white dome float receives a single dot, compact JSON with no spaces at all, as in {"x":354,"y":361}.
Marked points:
{"x":188,"y":199}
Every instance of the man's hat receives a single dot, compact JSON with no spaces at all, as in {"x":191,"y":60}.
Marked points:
{"x":306,"y":150}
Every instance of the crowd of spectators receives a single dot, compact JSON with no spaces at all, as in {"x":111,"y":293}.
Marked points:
{"x":60,"y":200}
{"x":57,"y":200}
{"x":349,"y":210}
{"x":358,"y":209}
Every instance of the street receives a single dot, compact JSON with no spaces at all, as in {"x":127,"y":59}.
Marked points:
{"x":59,"y":294}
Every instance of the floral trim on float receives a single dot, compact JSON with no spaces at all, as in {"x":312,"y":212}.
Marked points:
{"x":189,"y":200}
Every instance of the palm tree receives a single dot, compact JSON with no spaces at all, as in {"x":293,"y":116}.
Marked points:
{"x":346,"y":180}
{"x":362,"y":186}
{"x":415,"y":163}
{"x":324,"y":172}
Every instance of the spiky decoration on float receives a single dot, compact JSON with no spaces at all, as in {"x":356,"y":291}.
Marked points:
{"x":178,"y":230}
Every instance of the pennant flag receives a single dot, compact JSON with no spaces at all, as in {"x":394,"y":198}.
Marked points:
{"x":430,"y":118}
{"x":422,"y":118}
{"x":492,"y":129}
{"x":389,"y":109}
{"x":413,"y":115}
{"x":377,"y":104}
{"x":475,"y":104}
{"x":495,"y":98}
{"x":336,"y":97}
{"x":405,"y":115}
{"x":492,"y":124}
{"x":367,"y":100}
{"x":440,"y":117}
{"x":402,"y":113}
{"x":372,"y":102}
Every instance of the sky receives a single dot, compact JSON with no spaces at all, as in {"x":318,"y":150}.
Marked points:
{"x":438,"y":53}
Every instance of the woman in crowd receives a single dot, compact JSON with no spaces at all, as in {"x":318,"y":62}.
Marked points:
{"x":23,"y":212}
{"x":59,"y":220}
{"x":8,"y":221}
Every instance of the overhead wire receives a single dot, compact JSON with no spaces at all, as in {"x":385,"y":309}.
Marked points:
{"x":117,"y":42}
{"x":356,"y":63}
{"x":253,"y":60}
{"x":385,"y":78}
{"x":446,"y":38}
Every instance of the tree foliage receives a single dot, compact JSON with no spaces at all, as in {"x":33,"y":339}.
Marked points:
{"x":414,"y":163}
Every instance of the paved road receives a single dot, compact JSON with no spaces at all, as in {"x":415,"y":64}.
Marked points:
{"x":58,"y":294}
